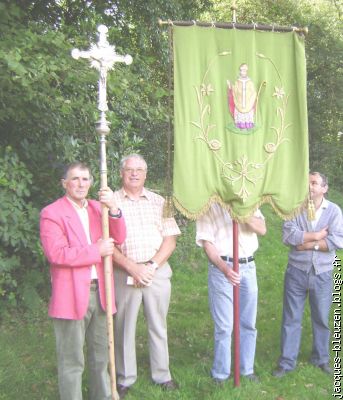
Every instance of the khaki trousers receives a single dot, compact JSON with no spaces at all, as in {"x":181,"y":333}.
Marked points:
{"x":71,"y":336}
{"x":155,"y":300}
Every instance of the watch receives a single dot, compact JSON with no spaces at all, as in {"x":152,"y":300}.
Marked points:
{"x":153,"y":264}
{"x":118,"y":215}
{"x":316,"y":247}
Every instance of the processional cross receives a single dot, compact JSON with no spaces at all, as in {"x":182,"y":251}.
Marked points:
{"x":102,"y":57}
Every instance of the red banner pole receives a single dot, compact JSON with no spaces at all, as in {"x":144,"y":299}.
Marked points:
{"x":236,"y":308}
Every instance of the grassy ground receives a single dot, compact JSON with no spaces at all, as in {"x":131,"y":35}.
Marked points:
{"x":28,"y":365}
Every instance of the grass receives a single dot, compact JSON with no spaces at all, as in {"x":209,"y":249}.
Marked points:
{"x":28,"y":366}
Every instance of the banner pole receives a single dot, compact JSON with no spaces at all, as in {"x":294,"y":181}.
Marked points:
{"x":236,"y":308}
{"x":234,"y":25}
{"x":102,"y":57}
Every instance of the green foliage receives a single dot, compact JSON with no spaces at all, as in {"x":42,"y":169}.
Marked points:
{"x":49,"y":106}
{"x":19,"y":244}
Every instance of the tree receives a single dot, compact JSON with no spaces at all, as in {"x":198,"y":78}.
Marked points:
{"x":48,"y":102}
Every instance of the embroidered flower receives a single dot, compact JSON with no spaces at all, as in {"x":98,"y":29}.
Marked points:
{"x":206,"y":90}
{"x":214,"y":144}
{"x":270,"y":147}
{"x":279,"y":92}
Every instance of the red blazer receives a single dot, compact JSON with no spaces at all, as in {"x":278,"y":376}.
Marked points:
{"x":71,"y":257}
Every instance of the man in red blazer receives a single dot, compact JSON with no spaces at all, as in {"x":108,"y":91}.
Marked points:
{"x":70,"y":232}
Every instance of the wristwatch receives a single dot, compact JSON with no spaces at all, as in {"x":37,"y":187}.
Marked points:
{"x":316,"y":247}
{"x":153,"y":264}
{"x":118,"y":215}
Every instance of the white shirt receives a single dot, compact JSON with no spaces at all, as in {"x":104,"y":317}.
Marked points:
{"x":83,"y":215}
{"x":216,"y":227}
{"x":319,"y":212}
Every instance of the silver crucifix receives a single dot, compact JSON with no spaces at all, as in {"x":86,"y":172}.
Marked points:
{"x":102,"y":57}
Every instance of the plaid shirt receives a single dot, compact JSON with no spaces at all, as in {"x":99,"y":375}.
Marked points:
{"x":145,"y":225}
{"x":216,"y":227}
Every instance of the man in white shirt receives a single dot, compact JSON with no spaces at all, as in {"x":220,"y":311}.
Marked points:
{"x":214,"y":234}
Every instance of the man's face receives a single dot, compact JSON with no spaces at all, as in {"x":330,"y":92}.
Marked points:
{"x":77,"y":184}
{"x":243,"y":71}
{"x":133,"y":174}
{"x":317,"y":189}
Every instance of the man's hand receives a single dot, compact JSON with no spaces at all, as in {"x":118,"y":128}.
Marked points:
{"x":322,"y":234}
{"x":233,"y":276}
{"x":106,"y":197}
{"x":105,"y":246}
{"x":142,"y":274}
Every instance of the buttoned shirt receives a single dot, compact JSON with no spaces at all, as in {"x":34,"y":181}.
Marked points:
{"x":215,"y":226}
{"x":146,"y":227}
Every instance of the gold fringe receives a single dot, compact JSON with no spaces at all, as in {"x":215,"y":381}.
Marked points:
{"x":168,"y":207}
{"x":311,"y":211}
{"x":239,"y":218}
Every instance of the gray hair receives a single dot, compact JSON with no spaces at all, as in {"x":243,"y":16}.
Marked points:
{"x":133,"y":155}
{"x":76,"y":164}
{"x":325,"y":181}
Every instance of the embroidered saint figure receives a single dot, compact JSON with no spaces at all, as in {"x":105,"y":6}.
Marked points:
{"x":242,"y":99}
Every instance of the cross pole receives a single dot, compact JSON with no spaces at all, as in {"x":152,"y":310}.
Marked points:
{"x":102,"y":56}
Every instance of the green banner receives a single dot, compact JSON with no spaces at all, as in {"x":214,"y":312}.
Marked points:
{"x":240,"y":128}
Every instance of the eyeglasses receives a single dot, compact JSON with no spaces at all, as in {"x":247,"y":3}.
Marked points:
{"x":134,"y":170}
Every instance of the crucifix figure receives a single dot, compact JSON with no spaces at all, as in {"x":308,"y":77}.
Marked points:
{"x":102,"y":57}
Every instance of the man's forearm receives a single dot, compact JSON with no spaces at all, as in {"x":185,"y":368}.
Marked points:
{"x":122,"y":261}
{"x":257,"y":225}
{"x":315,"y":236}
{"x":322,"y":245}
{"x":214,"y":256}
{"x":165,"y":251}
{"x":141,"y":272}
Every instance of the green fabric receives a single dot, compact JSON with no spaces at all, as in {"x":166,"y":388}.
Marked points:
{"x":214,"y":160}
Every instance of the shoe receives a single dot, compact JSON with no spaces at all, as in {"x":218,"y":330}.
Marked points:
{"x":252,"y":378}
{"x":169,"y":385}
{"x":280,"y":372}
{"x":218,"y":382}
{"x":122,"y":390}
{"x":326,"y":368}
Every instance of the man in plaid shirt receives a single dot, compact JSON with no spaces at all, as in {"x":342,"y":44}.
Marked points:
{"x":142,"y":275}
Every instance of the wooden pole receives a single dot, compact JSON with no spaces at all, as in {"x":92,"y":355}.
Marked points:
{"x":102,"y":57}
{"x":107,"y":262}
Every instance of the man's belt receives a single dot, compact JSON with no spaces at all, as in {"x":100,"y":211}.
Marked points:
{"x":243,"y":260}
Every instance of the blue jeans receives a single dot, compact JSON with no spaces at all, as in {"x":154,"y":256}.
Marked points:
{"x":297,"y":285}
{"x":220,"y":292}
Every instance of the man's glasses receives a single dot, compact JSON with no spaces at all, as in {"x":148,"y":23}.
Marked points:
{"x":134,"y":170}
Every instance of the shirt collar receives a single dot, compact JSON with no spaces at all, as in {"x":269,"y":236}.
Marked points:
{"x":325,"y":203}
{"x":145,"y":193}
{"x":76,"y":206}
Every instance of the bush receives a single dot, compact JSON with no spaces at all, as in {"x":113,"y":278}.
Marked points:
{"x":21,"y":256}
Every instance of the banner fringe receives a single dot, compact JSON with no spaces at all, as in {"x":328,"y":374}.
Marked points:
{"x":239,"y":218}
